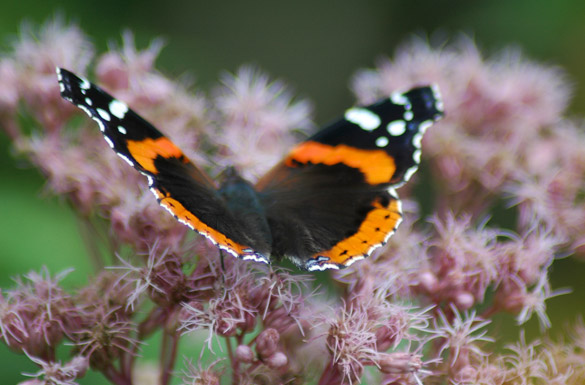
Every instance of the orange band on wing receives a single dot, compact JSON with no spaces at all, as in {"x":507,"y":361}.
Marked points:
{"x":379,"y":224}
{"x":376,"y":165}
{"x":147,"y":150}
{"x":185,"y":216}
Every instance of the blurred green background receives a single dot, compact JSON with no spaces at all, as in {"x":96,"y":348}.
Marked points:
{"x":315,"y":46}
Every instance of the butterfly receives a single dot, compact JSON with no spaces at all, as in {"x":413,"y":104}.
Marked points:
{"x":330,"y":202}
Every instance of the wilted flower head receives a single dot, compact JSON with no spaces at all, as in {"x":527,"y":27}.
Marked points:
{"x":57,"y":373}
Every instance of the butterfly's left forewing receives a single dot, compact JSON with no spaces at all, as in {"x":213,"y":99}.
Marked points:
{"x":179,"y":186}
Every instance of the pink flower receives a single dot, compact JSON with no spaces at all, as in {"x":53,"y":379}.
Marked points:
{"x":10,"y":93}
{"x":199,"y":376}
{"x":37,"y":315}
{"x":461,"y":337}
{"x":257,"y":116}
{"x":38,"y":53}
{"x":464,"y":260}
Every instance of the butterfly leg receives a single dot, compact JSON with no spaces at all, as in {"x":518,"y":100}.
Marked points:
{"x":221,"y":260}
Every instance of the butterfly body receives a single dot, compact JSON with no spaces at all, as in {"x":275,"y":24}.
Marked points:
{"x":329,"y":202}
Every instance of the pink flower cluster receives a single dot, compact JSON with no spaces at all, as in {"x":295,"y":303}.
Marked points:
{"x":417,"y":311}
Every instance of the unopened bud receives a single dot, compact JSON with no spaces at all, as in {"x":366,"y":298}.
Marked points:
{"x":276,"y":360}
{"x":428,"y":281}
{"x":267,"y":342}
{"x":244,"y":354}
{"x":464,"y":300}
{"x":399,"y":363}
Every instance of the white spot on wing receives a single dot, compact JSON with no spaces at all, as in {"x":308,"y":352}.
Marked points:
{"x":322,"y":267}
{"x":118,"y":108}
{"x":126,"y":159}
{"x":104,"y":114}
{"x":408,"y":174}
{"x":109,"y":141}
{"x":85,"y":109}
{"x":122,"y":130}
{"x":84,"y":85}
{"x":350,"y":261}
{"x":255,"y":257}
{"x":398,"y":98}
{"x":382,"y":141}
{"x":100,"y":124}
{"x":364,"y":118}
{"x":88,"y":101}
{"x":438,"y":98}
{"x":416,"y":156}
{"x":396,"y":128}
{"x":408,"y":115}
{"x":425,"y":125}
{"x":417,"y":139}
{"x":399,"y":207}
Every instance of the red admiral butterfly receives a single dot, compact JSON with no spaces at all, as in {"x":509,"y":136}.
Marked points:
{"x":330,"y":202}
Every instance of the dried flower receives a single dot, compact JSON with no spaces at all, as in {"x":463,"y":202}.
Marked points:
{"x":59,"y":374}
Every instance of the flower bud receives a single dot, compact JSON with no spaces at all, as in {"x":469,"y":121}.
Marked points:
{"x":464,"y":300}
{"x":267,"y":342}
{"x":428,"y":281}
{"x":399,"y":363}
{"x":276,"y":360}
{"x":244,"y":354}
